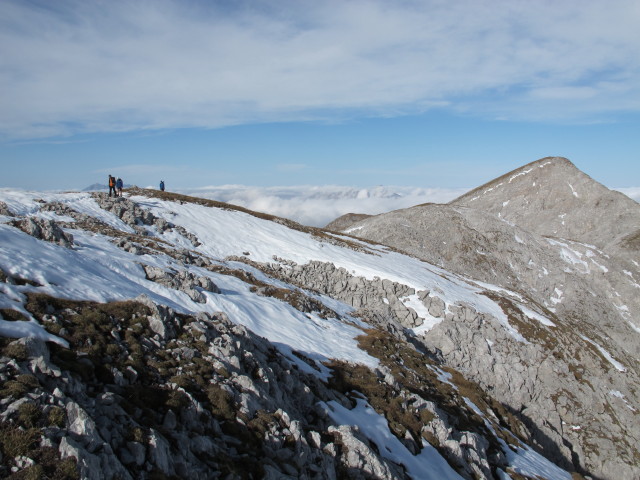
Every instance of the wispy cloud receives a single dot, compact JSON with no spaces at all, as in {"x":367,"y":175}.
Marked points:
{"x":74,"y":66}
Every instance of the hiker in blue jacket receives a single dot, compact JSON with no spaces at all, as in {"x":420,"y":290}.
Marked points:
{"x":119,"y":186}
{"x":162,"y":185}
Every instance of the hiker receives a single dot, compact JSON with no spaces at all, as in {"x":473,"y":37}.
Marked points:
{"x":119,"y":186}
{"x":162,"y":185}
{"x":112,"y":186}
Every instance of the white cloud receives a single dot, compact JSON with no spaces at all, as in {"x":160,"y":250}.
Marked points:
{"x":319,"y":205}
{"x":631,"y":192}
{"x":75,"y":66}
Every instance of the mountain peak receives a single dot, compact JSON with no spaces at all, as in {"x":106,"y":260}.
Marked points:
{"x":552,"y":197}
{"x":548,"y":167}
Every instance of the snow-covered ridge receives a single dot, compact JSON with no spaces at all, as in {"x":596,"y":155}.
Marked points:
{"x":95,"y":265}
{"x":127,"y":257}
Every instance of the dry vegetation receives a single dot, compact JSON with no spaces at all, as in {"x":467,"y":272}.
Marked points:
{"x":414,"y":372}
{"x":94,"y":354}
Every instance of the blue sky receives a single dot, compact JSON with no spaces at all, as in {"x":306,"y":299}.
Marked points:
{"x":370,"y":92}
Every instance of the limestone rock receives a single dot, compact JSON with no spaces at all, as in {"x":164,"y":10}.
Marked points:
{"x":47,"y":230}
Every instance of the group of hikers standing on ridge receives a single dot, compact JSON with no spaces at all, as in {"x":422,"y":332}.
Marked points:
{"x":115,"y":186}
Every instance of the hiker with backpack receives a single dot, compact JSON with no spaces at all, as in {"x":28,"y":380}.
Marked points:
{"x":162,"y":185}
{"x":112,"y":186}
{"x":119,"y":186}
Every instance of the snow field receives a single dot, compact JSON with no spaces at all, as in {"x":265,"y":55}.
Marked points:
{"x":97,"y":270}
{"x":229,"y":232}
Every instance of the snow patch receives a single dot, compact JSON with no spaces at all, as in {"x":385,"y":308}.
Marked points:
{"x":444,"y":377}
{"x":558,"y":296}
{"x":498,"y":289}
{"x":427,"y":465}
{"x":524,"y":172}
{"x":429,"y":321}
{"x":95,"y":265}
{"x":524,"y":461}
{"x":618,"y":394}
{"x":20,"y":329}
{"x":605,"y":354}
{"x":575,"y":194}
{"x":623,"y":310}
{"x":536,"y":316}
{"x":571,"y":256}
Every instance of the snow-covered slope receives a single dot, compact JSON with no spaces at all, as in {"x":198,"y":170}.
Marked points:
{"x":196,"y":269}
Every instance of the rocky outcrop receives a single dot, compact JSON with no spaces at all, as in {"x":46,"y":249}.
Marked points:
{"x":4,"y":210}
{"x":47,"y":230}
{"x":345,"y":221}
{"x":144,"y":391}
{"x":183,"y":281}
{"x":137,"y":217}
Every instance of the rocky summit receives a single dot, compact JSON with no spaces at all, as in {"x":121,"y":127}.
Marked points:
{"x":158,"y":335}
{"x":551,"y":236}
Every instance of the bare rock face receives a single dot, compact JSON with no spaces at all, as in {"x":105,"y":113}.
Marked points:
{"x":184,"y":281}
{"x":4,"y":210}
{"x":137,"y":217}
{"x":345,"y":221}
{"x":552,"y":197}
{"x":555,"y":239}
{"x":47,"y":230}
